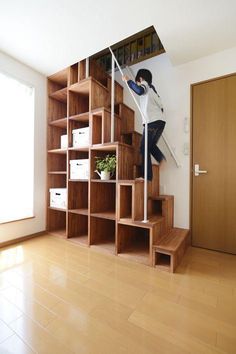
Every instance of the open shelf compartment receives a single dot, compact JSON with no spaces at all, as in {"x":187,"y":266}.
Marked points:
{"x":103,"y":202}
{"x":78,"y":103}
{"x":78,"y":228}
{"x":56,"y":181}
{"x":56,"y":110}
{"x":54,"y":137}
{"x":57,"y":162}
{"x":125,"y":198}
{"x":56,"y":222}
{"x":75,"y":141}
{"x":78,"y":197}
{"x":162,"y":260}
{"x":135,"y":243}
{"x":124,"y":160}
{"x":101,"y":126}
{"x":102,"y":234}
{"x":101,"y":153}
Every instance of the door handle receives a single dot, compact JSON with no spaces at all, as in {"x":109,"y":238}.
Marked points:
{"x":197,"y":172}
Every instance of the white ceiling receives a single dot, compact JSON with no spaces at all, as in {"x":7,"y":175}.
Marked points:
{"x":49,"y":35}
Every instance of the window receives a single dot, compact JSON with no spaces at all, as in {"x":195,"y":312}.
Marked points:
{"x":16,"y":149}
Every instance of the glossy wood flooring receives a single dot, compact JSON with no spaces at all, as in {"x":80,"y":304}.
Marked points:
{"x":59,"y":298}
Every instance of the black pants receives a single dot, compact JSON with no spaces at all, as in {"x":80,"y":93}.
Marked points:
{"x":155,"y":130}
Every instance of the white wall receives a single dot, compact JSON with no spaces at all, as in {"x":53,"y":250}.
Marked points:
{"x":173,"y":85}
{"x":17,"y":229}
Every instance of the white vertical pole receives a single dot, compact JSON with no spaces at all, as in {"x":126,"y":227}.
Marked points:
{"x":145,"y":172}
{"x":87,"y":68}
{"x":146,"y":139}
{"x":112,"y":98}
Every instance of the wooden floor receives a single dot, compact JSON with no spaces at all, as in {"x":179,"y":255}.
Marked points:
{"x":58,"y":298}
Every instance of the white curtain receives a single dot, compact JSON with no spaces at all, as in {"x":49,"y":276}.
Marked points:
{"x":16,"y":149}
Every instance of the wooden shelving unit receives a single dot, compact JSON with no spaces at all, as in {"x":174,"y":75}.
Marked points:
{"x":105,"y":215}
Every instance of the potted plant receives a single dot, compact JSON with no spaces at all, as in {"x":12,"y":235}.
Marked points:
{"x":106,"y":166}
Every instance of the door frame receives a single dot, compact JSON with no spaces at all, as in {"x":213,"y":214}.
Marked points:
{"x":191,"y":149}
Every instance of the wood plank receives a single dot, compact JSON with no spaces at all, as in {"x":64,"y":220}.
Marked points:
{"x":172,"y":241}
{"x":81,"y":211}
{"x":58,"y":209}
{"x":57,"y":172}
{"x":105,"y":215}
{"x":99,"y":293}
{"x":60,"y":77}
{"x":104,"y":181}
{"x":152,"y":221}
{"x":60,"y":95}
{"x":82,"y":117}
{"x":62,"y":123}
{"x":57,"y":151}
{"x":81,"y":87}
{"x":79,"y":240}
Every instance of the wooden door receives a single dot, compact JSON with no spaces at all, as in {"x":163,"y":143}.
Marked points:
{"x":214,"y":149}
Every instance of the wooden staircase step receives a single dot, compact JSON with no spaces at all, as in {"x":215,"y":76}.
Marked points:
{"x":109,"y":146}
{"x":132,"y":138}
{"x":168,"y":253}
{"x":162,"y":197}
{"x":173,"y":240}
{"x":153,"y":220}
{"x":130,"y":181}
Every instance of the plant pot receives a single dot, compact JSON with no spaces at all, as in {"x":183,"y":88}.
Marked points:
{"x":105,"y":175}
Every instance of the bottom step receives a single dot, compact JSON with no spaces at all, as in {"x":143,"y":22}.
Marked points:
{"x":168,"y":254}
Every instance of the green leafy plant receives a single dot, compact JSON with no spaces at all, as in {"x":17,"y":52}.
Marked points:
{"x":108,"y":163}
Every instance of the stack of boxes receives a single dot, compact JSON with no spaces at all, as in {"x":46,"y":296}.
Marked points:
{"x":79,"y":169}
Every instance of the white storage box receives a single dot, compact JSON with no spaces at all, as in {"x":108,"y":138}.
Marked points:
{"x":64,"y":141}
{"x":80,"y":137}
{"x":58,"y":198}
{"x":79,"y":169}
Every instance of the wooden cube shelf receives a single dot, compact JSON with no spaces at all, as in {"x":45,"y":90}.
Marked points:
{"x":101,"y":126}
{"x":103,"y":203}
{"x":168,"y":253}
{"x":56,"y":162}
{"x":118,"y":91}
{"x":97,"y":127}
{"x":130,"y":200}
{"x":76,"y":124}
{"x":97,"y":73}
{"x":74,"y":74}
{"x":133,"y":139}
{"x":101,"y":154}
{"x":125,"y":201}
{"x":56,"y":222}
{"x":162,"y":261}
{"x":56,"y":109}
{"x":78,"y":201}
{"x":105,"y":215}
{"x":78,"y":228}
{"x":78,"y":103}
{"x":56,"y":180}
{"x":135,"y":243}
{"x":102,"y":234}
{"x":127,"y":118}
{"x":54,"y":137}
{"x":60,"y":78}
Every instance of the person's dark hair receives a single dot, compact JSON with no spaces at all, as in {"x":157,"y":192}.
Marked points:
{"x":145,"y":74}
